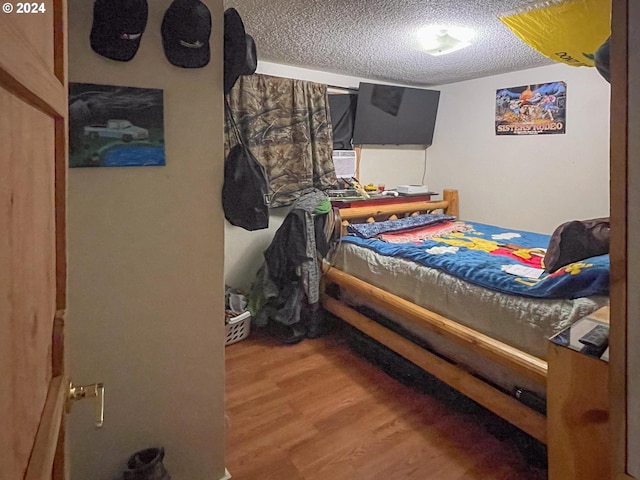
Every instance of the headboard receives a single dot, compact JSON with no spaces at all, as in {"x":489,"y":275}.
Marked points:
{"x":377,"y":213}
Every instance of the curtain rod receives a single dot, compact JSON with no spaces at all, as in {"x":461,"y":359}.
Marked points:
{"x":344,"y":89}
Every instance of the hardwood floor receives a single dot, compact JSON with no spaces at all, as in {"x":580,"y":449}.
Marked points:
{"x":319,"y":411}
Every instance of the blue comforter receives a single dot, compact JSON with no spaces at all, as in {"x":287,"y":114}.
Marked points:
{"x":479,"y":254}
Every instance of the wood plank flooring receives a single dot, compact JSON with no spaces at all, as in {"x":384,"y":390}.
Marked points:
{"x":318,"y":411}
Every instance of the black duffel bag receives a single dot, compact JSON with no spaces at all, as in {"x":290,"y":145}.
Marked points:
{"x":245,"y":192}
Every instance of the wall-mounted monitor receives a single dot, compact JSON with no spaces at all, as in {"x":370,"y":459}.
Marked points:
{"x":392,"y":115}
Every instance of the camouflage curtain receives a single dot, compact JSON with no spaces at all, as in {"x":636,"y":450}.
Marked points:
{"x":286,"y":125}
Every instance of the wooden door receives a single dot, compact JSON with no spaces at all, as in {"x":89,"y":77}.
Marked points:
{"x":33,"y":152}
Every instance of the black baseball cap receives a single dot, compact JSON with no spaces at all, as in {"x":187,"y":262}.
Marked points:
{"x":186,"y":28}
{"x":251,"y":62}
{"x":235,"y":48}
{"x":117,"y":27}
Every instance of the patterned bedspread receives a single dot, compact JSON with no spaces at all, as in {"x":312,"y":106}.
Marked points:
{"x":479,"y":254}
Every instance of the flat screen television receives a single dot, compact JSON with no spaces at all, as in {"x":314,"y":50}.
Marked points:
{"x":392,"y":115}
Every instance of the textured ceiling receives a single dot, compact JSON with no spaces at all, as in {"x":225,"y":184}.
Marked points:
{"x":375,"y":39}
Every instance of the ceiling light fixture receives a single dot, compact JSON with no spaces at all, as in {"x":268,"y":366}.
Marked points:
{"x":440,"y":40}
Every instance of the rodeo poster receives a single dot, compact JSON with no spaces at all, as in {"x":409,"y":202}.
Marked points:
{"x":536,"y":109}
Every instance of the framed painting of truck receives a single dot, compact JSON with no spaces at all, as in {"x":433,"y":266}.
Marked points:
{"x":112,"y":126}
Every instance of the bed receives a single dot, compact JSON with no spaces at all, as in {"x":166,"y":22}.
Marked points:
{"x":485,"y":341}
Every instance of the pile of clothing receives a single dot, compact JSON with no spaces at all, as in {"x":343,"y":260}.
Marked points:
{"x":285,"y":295}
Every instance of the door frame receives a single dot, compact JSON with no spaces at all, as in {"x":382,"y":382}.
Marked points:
{"x":625,"y":233}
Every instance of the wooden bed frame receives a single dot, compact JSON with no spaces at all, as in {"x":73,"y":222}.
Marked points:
{"x":450,"y":373}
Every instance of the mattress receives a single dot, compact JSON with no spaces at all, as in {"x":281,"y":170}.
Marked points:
{"x":522,"y":322}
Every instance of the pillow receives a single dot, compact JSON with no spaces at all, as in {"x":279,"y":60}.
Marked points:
{"x":369,"y":230}
{"x":576,"y":240}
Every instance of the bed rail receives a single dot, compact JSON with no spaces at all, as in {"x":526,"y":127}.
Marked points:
{"x":532,"y":367}
{"x":500,"y":403}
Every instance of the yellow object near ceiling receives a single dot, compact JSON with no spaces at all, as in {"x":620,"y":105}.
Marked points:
{"x":567,"y":31}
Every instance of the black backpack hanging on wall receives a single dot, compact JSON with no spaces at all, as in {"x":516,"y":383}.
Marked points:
{"x":245,"y":192}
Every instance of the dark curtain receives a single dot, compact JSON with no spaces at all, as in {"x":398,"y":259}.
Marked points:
{"x":286,"y":125}
{"x":343,"y":116}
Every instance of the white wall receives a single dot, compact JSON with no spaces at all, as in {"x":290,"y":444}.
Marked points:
{"x":243,"y":250}
{"x":146,"y":271}
{"x":393,"y":166}
{"x":526,"y":182}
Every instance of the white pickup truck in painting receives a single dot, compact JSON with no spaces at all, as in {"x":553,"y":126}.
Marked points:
{"x":121,"y":129}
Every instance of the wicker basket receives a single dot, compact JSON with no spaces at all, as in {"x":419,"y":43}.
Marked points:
{"x":237,"y":328}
